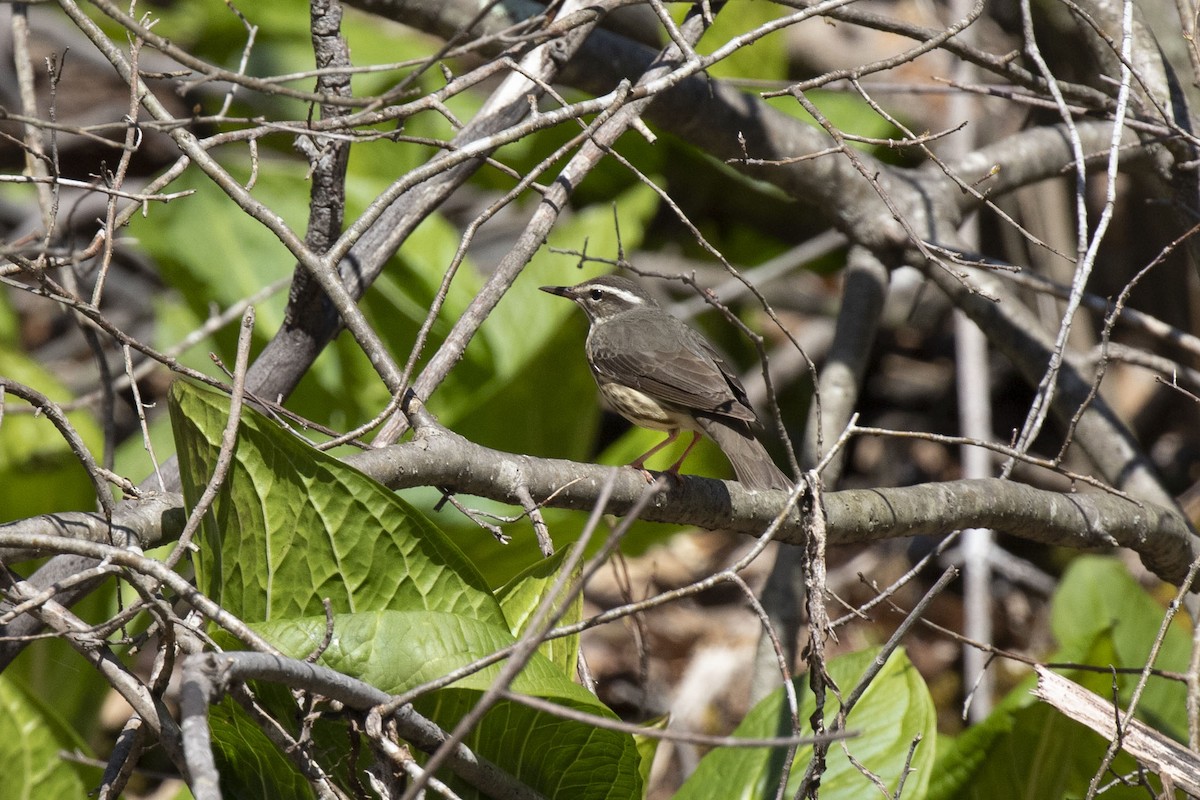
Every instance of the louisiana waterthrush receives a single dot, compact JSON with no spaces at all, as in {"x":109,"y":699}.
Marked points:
{"x":660,"y":374}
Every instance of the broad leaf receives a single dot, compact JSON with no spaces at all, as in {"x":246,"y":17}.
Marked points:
{"x":224,"y":263}
{"x":249,"y":763}
{"x":1026,"y":749}
{"x":293,"y":525}
{"x":32,"y":740}
{"x":521,"y":597}
{"x":894,"y":716}
{"x":38,"y":472}
{"x":1098,"y":598}
{"x":397,"y":651}
{"x":1040,"y":753}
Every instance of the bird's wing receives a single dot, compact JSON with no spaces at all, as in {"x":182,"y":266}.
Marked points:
{"x":663,"y":358}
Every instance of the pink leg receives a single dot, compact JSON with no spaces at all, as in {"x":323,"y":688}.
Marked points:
{"x":639,"y":463}
{"x":674,"y":468}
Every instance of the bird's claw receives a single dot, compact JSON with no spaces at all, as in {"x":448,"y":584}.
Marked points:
{"x":672,"y":474}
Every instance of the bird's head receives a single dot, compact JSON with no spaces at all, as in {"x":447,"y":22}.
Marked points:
{"x":605,"y":297}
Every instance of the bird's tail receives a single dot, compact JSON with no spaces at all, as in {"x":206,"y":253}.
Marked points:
{"x":751,"y":462}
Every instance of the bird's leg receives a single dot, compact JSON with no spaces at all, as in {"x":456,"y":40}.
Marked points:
{"x":674,"y":468}
{"x":639,"y":463}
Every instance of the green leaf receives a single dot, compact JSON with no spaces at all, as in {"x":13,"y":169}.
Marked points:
{"x":892,"y":714}
{"x":1098,"y":598}
{"x":557,"y":757}
{"x":51,"y":669}
{"x":249,"y":764}
{"x":959,"y":758}
{"x":849,"y":113}
{"x":132,"y":458}
{"x":31,"y":740}
{"x":343,"y":389}
{"x":286,"y":513}
{"x":521,"y":597}
{"x":1101,"y":617}
{"x":1028,"y":752}
{"x":397,"y":651}
{"x":293,"y":525}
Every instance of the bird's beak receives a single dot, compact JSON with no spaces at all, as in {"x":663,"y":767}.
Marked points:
{"x":561,"y":291}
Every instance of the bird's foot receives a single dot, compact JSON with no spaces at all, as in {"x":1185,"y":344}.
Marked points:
{"x":672,"y":474}
{"x":639,"y":465}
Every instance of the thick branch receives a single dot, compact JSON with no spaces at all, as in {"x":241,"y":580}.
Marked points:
{"x":1076,"y":520}
{"x":143,"y":523}
{"x":1081,"y":521}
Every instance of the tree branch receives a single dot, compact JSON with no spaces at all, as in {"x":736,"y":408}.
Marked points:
{"x":444,"y":459}
{"x":207,"y":676}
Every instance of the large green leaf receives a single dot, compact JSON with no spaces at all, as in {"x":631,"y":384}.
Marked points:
{"x":959,"y":758}
{"x":293,"y":525}
{"x":231,"y":256}
{"x":397,"y":651}
{"x":521,"y":597}
{"x":561,"y":759}
{"x":1025,"y":749}
{"x":31,"y":742}
{"x":892,"y":714}
{"x":1098,"y":598}
{"x":766,"y":60}
{"x":1042,"y":755}
{"x":50,"y":670}
{"x":249,"y":764}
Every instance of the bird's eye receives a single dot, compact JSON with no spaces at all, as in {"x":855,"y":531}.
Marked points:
{"x":595,"y":294}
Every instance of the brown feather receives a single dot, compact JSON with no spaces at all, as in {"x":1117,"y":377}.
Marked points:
{"x":662,"y":357}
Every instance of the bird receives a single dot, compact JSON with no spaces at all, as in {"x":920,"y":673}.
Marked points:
{"x":660,"y":374}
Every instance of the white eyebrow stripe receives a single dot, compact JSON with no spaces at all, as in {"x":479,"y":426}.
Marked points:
{"x":629,"y":297}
